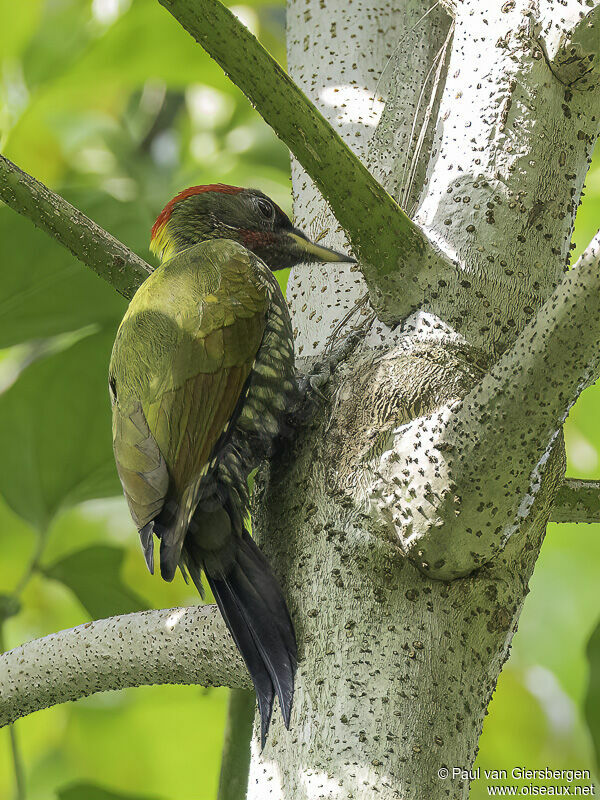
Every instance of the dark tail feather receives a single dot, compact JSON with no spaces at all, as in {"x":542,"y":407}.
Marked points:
{"x":242,"y":636}
{"x":147,"y":540}
{"x":255,"y":566}
{"x":253,"y":607}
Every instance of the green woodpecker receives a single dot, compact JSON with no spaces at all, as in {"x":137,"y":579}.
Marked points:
{"x":201,"y":371}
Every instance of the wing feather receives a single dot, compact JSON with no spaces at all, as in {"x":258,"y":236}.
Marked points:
{"x":140,"y":464}
{"x":181,"y":359}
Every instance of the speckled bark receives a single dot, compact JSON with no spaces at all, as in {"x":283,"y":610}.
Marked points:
{"x":396,"y":670}
{"x":173,"y":645}
{"x":408,"y":516}
{"x":577,"y":501}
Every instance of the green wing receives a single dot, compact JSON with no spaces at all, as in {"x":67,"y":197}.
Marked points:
{"x":180,"y":361}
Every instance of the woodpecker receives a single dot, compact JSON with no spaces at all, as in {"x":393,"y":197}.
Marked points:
{"x":201,"y":372}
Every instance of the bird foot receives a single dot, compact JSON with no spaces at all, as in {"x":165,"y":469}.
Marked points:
{"x":311,"y":386}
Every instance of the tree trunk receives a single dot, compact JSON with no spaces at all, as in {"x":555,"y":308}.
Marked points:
{"x":404,"y":607}
{"x":406,"y":514}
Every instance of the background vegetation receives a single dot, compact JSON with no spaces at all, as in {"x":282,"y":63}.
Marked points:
{"x":112,"y":104}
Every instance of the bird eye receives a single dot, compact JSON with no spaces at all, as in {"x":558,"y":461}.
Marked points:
{"x":265,"y":208}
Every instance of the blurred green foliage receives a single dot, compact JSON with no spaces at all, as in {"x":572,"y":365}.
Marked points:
{"x":89,"y":791}
{"x":112,"y":104}
{"x":592,"y":700}
{"x":93,"y":574}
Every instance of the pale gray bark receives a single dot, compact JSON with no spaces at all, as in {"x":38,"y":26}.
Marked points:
{"x":439,"y":453}
{"x":441,"y":445}
{"x":174,"y":645}
{"x":471,"y":471}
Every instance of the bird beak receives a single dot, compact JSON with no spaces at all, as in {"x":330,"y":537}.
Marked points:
{"x":314,"y":252}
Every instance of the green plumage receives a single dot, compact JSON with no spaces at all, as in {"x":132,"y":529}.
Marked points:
{"x":201,"y":372}
{"x":182,"y":355}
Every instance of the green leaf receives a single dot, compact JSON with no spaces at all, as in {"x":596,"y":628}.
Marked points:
{"x":90,"y":791}
{"x":145,"y":42}
{"x":55,"y":429}
{"x":16,"y":29}
{"x":62,"y":37}
{"x":592,"y":698}
{"x":44,"y":290}
{"x":94,"y":576}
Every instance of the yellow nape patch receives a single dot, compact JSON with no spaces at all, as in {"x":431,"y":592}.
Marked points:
{"x":162,"y":244}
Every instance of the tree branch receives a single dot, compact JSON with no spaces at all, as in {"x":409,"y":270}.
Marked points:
{"x":574,"y":54}
{"x":482,"y":459}
{"x":235,"y":762}
{"x":175,"y":645}
{"x":398,"y":260}
{"x":90,"y":243}
{"x":577,"y":501}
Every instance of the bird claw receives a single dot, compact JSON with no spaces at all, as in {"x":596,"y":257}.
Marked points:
{"x":314,"y":382}
{"x":310,"y":387}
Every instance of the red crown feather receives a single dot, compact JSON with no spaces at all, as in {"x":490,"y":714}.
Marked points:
{"x":211,"y":187}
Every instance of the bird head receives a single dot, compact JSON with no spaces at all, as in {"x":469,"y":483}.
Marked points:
{"x":248,"y":216}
